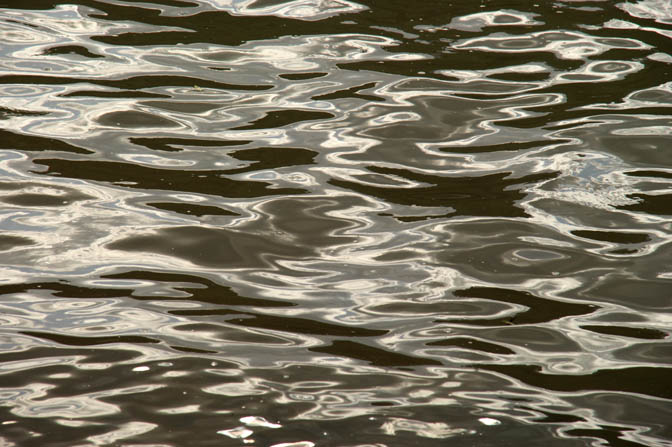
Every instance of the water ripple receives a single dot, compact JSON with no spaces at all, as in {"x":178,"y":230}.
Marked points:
{"x":299,"y":223}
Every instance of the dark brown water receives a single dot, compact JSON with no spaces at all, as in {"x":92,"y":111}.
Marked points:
{"x":327,"y":223}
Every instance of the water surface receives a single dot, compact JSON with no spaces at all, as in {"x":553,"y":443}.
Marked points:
{"x":335,"y":223}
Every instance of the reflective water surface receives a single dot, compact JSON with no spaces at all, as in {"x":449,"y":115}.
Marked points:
{"x":300,"y":223}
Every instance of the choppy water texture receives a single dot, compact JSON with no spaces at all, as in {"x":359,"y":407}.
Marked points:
{"x":326,"y":223}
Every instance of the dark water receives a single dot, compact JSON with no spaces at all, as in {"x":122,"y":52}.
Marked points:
{"x":327,"y":223}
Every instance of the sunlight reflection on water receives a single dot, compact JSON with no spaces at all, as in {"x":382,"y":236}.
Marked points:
{"x":302,"y":223}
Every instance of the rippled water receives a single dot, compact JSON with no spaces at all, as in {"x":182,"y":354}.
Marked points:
{"x":326,"y":223}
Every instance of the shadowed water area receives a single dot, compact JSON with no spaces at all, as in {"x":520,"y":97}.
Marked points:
{"x":329,"y":223}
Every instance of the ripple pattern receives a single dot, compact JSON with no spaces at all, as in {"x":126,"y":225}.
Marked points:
{"x":332,"y":223}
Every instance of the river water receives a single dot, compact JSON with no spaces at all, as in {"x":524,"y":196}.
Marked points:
{"x":334,"y":223}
